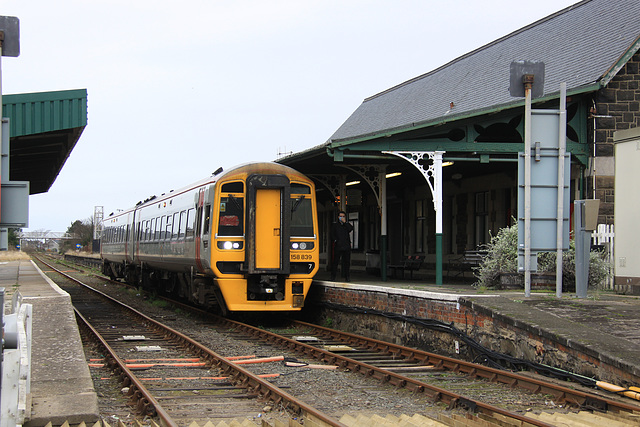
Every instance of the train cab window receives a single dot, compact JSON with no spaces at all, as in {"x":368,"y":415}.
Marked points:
{"x":301,"y":217}
{"x":231,"y":220}
{"x":207,"y":220}
{"x":232,"y":187}
{"x":300,"y":188}
{"x":301,"y":211}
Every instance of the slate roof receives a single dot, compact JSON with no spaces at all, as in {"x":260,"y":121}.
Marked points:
{"x":581,"y":45}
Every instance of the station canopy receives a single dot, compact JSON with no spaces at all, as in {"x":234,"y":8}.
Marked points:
{"x":44,"y":128}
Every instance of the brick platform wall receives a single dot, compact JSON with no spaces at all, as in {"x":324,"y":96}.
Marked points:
{"x":491,"y":330}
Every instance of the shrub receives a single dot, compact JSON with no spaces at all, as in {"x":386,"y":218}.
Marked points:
{"x":502,"y":258}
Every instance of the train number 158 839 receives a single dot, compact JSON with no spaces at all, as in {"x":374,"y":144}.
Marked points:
{"x":300,"y":257}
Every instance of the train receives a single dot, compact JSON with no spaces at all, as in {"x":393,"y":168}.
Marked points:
{"x":241,"y":240}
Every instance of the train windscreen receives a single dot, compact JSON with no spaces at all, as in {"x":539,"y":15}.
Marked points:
{"x":301,"y":217}
{"x":231,"y":222}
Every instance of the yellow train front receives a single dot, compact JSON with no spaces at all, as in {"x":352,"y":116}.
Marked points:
{"x":241,"y":240}
{"x":264,"y":249}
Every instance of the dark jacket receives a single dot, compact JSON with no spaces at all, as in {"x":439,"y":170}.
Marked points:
{"x":340,"y":235}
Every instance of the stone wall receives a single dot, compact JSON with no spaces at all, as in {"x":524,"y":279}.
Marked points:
{"x":617,"y":108}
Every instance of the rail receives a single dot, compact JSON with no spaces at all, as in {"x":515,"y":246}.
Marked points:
{"x":145,"y":402}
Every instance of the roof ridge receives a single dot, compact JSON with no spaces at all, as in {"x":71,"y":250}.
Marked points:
{"x":481,"y":48}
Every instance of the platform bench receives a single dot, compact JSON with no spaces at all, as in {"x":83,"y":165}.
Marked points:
{"x":411,"y":263}
{"x":469,"y":261}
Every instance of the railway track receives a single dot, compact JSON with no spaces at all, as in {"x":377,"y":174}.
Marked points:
{"x":490,"y":398}
{"x":168,"y":375}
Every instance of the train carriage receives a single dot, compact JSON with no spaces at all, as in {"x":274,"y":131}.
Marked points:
{"x":242,"y":240}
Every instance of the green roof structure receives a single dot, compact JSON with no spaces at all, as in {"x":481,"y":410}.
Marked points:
{"x":44,"y":128}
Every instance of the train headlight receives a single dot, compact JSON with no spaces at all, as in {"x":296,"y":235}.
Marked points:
{"x":301,"y":245}
{"x":229,"y":245}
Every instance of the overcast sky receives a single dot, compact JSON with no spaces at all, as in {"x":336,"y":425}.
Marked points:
{"x":177,"y":89}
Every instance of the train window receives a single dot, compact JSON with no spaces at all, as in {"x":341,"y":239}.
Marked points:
{"x":300,"y":188}
{"x":163,"y":225}
{"x":207,"y":220}
{"x":190,"y":222}
{"x":301,"y":217}
{"x":167,"y":235}
{"x":176,"y":225}
{"x":183,"y":224}
{"x":232,"y":187}
{"x":231,"y":221}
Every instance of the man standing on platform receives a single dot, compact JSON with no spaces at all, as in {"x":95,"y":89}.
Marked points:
{"x":341,"y":241}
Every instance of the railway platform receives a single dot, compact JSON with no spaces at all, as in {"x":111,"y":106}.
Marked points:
{"x":604,"y":328}
{"x":61,"y":385}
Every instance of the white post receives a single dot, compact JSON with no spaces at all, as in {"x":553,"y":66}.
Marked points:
{"x":528,"y":83}
{"x":562,"y":135}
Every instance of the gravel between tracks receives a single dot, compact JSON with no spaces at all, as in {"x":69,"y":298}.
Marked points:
{"x":334,"y":392}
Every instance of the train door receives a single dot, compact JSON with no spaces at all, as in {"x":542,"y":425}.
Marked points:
{"x":203,"y":230}
{"x":268,"y":228}
{"x":268,"y":225}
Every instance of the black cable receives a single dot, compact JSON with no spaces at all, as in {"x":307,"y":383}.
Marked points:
{"x":480,"y":353}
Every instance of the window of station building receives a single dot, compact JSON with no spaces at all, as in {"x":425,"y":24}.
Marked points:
{"x":301,"y":217}
{"x":421,"y":220}
{"x":482,"y":218}
{"x":231,"y":216}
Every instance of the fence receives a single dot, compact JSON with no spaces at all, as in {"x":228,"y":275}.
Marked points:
{"x":604,"y":236}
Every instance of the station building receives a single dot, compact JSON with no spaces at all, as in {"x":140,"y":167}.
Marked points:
{"x":464,"y":110}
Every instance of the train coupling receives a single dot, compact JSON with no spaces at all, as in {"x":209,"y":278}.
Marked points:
{"x":268,"y":287}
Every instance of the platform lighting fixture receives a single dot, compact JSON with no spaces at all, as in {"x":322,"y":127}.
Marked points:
{"x":393,"y":175}
{"x":447,"y":164}
{"x":352,"y":183}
